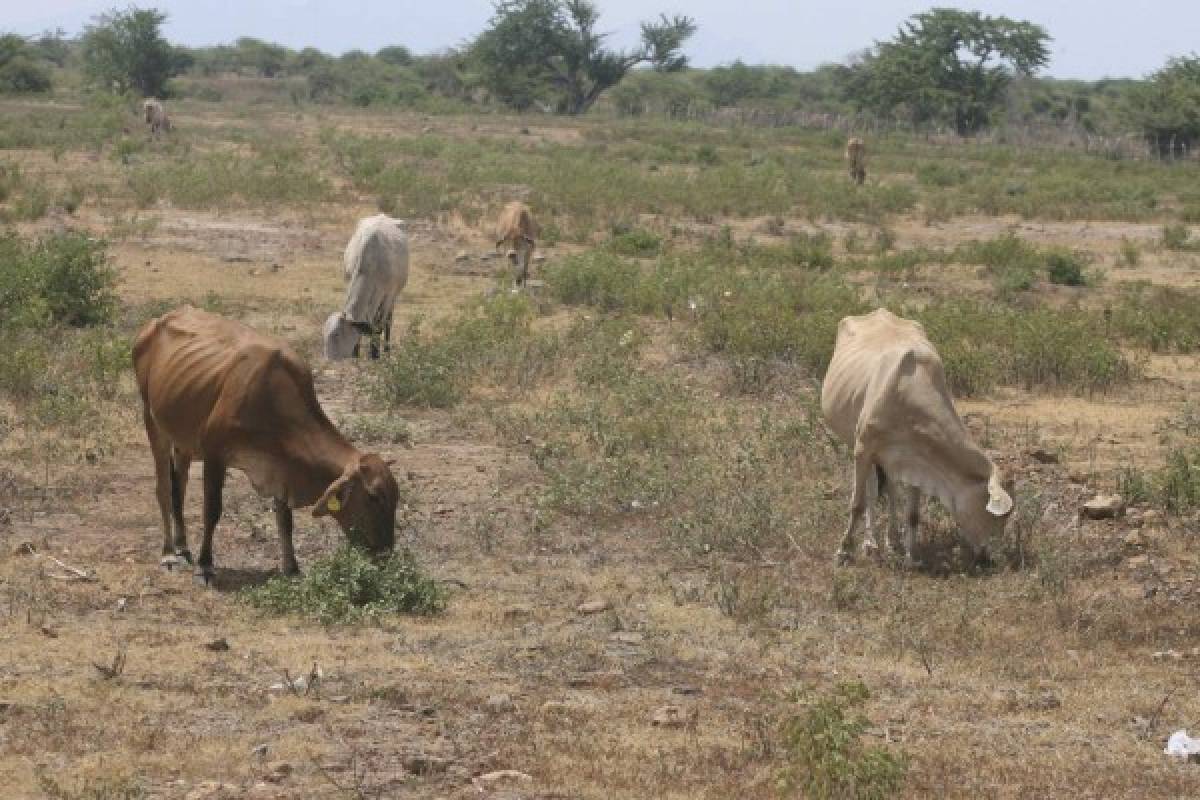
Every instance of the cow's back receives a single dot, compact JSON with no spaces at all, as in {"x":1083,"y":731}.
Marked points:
{"x":516,"y":221}
{"x":198,"y":372}
{"x":376,"y":267}
{"x":876,"y":354}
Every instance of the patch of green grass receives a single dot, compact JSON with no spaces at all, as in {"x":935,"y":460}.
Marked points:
{"x":349,"y":587}
{"x":826,"y":757}
{"x":1160,"y":318}
{"x":637,"y":242}
{"x":1176,"y":236}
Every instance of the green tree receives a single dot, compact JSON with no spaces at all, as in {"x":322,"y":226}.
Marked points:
{"x":125,"y":51}
{"x":1167,"y":107}
{"x":397,"y":55}
{"x":549,"y":49}
{"x":265,"y":58}
{"x":20,"y":70}
{"x":948,"y":66}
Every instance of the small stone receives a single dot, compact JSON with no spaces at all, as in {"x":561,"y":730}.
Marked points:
{"x":669,"y":717}
{"x":122,"y":602}
{"x":1043,"y":456}
{"x":502,"y":777}
{"x":213,"y":790}
{"x":217,"y":645}
{"x":627,"y":637}
{"x":462,"y":257}
{"x":422,"y":764}
{"x":1167,"y":655}
{"x":278,"y":771}
{"x":1104,"y":506}
{"x":539,"y":259}
{"x":260,"y":750}
{"x":1139,"y":561}
{"x":595,"y":606}
{"x":1134,"y":540}
{"x":499,"y":703}
{"x":517,"y":611}
{"x":1152,"y":518}
{"x":686,"y":690}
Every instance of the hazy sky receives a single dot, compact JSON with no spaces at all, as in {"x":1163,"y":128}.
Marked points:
{"x":1100,"y":38}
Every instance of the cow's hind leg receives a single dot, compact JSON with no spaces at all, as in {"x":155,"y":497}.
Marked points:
{"x":283,"y":523}
{"x":180,"y":463}
{"x":168,"y":493}
{"x":912,"y":519}
{"x":214,"y":486}
{"x":863,"y":475}
{"x":387,"y":332}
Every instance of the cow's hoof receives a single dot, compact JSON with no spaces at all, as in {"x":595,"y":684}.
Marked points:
{"x":204,"y":576}
{"x":870,"y":550}
{"x":176,"y":562}
{"x":843,"y":558}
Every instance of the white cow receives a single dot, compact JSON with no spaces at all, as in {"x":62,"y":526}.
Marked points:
{"x":376,"y":269}
{"x":155,"y":115}
{"x":885,"y":395}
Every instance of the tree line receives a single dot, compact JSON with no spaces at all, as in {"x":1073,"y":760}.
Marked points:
{"x":944,"y":68}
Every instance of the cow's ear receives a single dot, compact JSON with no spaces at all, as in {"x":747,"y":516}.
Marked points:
{"x":1000,"y":502}
{"x":334,"y":499}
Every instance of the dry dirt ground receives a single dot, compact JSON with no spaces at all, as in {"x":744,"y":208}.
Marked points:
{"x":513,"y":676}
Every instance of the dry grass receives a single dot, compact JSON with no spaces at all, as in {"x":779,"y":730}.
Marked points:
{"x":1034,"y":680}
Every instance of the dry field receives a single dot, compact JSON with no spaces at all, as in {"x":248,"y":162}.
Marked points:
{"x":633,"y":455}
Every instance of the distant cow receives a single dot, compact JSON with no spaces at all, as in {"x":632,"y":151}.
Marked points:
{"x":517,"y":233}
{"x":856,"y":159}
{"x":155,"y":116}
{"x":376,"y":270}
{"x":885,"y":395}
{"x":219,"y":391}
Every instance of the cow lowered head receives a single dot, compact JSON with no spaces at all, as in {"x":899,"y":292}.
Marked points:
{"x":363,"y":502}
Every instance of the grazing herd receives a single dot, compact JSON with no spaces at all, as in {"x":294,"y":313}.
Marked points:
{"x":217,"y":391}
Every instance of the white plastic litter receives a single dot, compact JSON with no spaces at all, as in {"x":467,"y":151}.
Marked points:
{"x":1182,"y":745}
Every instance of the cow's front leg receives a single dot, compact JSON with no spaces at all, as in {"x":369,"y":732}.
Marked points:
{"x":283,"y":523}
{"x":214,"y":486}
{"x":858,"y":505}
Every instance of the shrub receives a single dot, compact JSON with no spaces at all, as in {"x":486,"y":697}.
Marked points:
{"x":1130,"y":254}
{"x":1175,"y":236}
{"x":61,"y":278}
{"x":1065,"y":268}
{"x":637,"y":242}
{"x":348,"y":586}
{"x":826,"y":756}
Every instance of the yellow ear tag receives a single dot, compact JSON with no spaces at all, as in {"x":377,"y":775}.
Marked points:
{"x":334,"y":504}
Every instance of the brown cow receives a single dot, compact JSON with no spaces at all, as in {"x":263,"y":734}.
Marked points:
{"x":518,"y":232}
{"x":219,"y":391}
{"x":856,"y":159}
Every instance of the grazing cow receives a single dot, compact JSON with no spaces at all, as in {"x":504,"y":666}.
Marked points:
{"x":856,"y":159}
{"x":219,"y":391}
{"x":376,"y":270}
{"x":155,"y":116}
{"x":885,"y":395}
{"x":517,"y":232}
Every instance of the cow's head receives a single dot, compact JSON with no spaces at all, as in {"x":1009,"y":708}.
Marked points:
{"x":983,"y":513}
{"x":363,"y":501}
{"x":339,"y":336}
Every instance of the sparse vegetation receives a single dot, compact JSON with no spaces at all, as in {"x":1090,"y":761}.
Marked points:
{"x":827,"y":756}
{"x":349,"y":587}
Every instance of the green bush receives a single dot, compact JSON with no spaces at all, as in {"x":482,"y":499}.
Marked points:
{"x":1065,"y":268}
{"x":637,"y":242}
{"x":1175,"y":236}
{"x":61,"y":278}
{"x":827,"y":758}
{"x":348,"y":586}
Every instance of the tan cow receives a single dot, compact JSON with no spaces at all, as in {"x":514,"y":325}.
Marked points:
{"x":856,"y":159}
{"x":219,"y":391}
{"x":155,"y":116}
{"x":885,"y":395}
{"x":517,"y":232}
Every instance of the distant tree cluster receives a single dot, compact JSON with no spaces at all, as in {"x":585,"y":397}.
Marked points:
{"x":944,"y":68}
